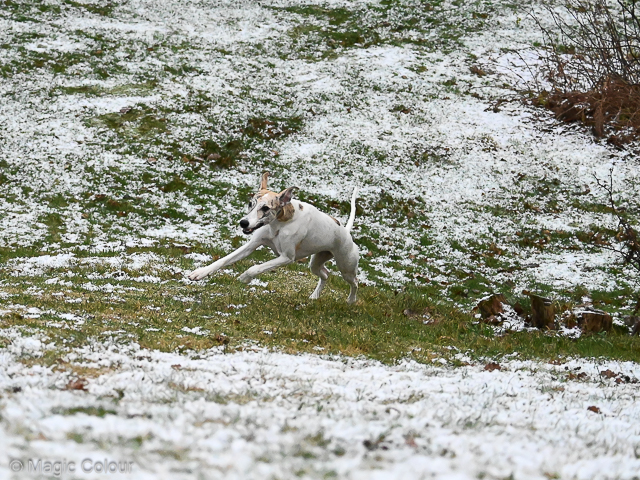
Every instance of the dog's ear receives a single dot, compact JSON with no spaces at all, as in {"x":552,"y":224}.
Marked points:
{"x":284,"y":197}
{"x":263,"y":181}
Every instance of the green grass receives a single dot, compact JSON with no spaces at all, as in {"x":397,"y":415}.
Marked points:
{"x":93,"y":411}
{"x":323,"y":32}
{"x":385,"y":325}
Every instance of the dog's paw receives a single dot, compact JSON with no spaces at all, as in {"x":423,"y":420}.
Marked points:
{"x":198,"y":274}
{"x":244,"y":278}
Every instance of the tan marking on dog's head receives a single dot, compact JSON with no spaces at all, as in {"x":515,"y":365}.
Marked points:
{"x":264,"y":196}
{"x":267,"y":196}
{"x":301,"y":207}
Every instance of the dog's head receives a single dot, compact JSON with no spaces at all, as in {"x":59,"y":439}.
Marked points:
{"x":266,"y":206}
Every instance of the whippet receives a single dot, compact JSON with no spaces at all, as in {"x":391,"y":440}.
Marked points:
{"x":293,"y":230}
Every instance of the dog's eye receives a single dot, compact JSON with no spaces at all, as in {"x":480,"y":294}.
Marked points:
{"x":265,"y":209}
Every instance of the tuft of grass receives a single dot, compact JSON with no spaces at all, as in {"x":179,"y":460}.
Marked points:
{"x":93,"y":411}
{"x":102,"y":8}
{"x":134,"y":123}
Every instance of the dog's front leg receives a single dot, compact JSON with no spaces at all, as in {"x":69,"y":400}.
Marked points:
{"x":256,"y":270}
{"x":243,"y":252}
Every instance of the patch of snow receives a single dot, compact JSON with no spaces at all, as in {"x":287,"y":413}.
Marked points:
{"x":360,"y":419}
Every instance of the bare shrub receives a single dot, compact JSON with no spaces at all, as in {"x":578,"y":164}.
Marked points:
{"x":627,"y":237}
{"x":593,"y":66}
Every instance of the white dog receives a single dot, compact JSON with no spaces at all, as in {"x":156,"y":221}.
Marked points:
{"x":293,"y":230}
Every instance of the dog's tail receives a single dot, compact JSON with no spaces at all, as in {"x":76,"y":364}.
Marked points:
{"x":352,"y":215}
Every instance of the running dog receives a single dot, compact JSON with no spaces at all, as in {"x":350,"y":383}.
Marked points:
{"x":293,"y":230}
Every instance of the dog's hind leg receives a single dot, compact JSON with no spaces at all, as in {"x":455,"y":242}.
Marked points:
{"x":348,"y":266}
{"x":316,"y":265}
{"x":352,"y":280}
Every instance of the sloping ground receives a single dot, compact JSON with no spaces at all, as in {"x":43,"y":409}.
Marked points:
{"x":131,"y":134}
{"x":457,"y":189}
{"x":265,"y":415}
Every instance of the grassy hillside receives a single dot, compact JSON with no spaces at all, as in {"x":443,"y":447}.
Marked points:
{"x":132,"y":137}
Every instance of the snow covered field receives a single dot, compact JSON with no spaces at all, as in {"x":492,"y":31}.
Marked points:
{"x":260,"y":415}
{"x":131,"y":133}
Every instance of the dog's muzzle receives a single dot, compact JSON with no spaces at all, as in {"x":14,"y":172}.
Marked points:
{"x":244,"y":224}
